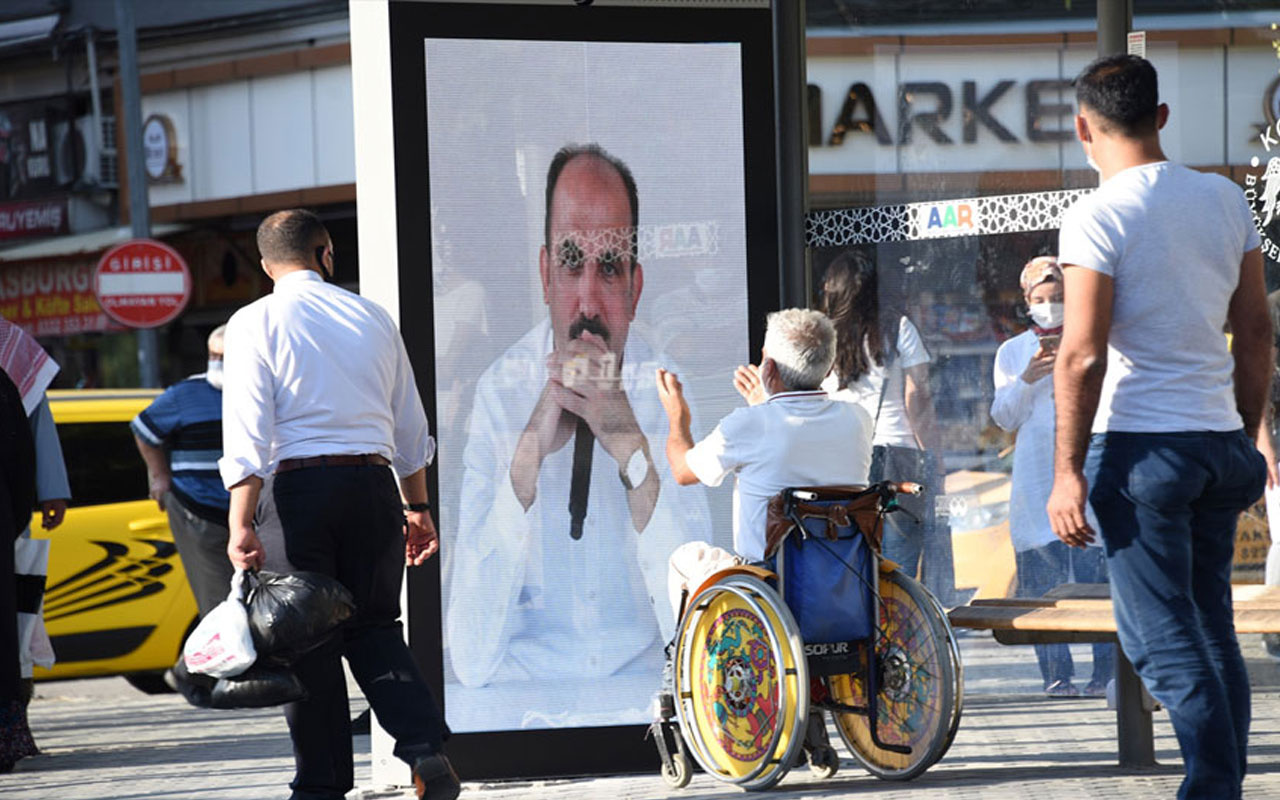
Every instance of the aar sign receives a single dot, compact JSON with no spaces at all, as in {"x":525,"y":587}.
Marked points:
{"x":142,"y":283}
{"x":945,"y":220}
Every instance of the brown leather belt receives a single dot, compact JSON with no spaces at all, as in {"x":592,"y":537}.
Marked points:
{"x":365,"y":460}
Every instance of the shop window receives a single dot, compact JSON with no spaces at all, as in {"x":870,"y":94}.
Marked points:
{"x":103,"y":464}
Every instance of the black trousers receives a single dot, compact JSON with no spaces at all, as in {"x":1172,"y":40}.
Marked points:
{"x":346,"y":522}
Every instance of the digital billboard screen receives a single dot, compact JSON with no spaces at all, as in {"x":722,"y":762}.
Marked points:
{"x":588,"y":226}
{"x":581,"y":196}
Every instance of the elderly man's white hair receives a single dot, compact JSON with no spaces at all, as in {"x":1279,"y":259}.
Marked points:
{"x":802,"y":342}
{"x":216,"y":336}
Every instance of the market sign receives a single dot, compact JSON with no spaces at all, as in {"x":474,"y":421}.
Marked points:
{"x":142,"y":283}
{"x":52,"y":298}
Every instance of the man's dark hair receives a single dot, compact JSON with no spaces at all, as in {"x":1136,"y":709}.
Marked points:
{"x":1123,"y":90}
{"x":291,"y":237}
{"x":569,"y":153}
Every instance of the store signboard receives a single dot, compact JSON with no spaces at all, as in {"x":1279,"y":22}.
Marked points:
{"x":44,"y":147}
{"x":914,"y":108}
{"x":33,"y":218}
{"x":142,"y":283}
{"x":52,"y":298}
{"x":942,"y":220}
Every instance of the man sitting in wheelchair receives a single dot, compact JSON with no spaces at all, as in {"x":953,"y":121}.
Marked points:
{"x":803,"y":595}
{"x":793,"y":434}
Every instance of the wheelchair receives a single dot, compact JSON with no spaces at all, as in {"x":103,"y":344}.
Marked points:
{"x":825,"y":625}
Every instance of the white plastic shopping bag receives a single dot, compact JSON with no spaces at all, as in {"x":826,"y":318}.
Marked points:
{"x":221,"y":645}
{"x":31,"y":562}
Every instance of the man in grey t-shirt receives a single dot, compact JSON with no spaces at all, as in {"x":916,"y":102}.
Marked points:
{"x":1156,"y":264}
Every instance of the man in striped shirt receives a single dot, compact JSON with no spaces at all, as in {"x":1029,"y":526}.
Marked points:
{"x":180,"y":437}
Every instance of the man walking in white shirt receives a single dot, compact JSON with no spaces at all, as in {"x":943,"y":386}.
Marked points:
{"x":318,"y":388}
{"x":1156,"y":263}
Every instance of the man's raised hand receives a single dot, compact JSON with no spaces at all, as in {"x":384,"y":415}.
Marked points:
{"x":746,"y":379}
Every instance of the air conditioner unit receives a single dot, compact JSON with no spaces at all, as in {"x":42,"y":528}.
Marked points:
{"x":78,"y":156}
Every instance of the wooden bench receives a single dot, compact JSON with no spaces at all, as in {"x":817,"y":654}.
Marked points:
{"x":1081,"y":613}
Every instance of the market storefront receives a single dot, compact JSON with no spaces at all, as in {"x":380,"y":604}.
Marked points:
{"x":945,"y":152}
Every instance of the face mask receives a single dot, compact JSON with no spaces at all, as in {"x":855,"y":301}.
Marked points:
{"x":214,"y":373}
{"x":1046,"y":315}
{"x":1088,"y":158}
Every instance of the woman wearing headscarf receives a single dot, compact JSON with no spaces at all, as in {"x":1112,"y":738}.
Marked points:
{"x":1023,"y":405}
{"x":31,"y":371}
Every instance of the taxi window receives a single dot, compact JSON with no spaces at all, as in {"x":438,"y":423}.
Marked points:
{"x":102,"y":463}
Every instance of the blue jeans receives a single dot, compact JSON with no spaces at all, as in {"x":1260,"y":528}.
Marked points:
{"x":1167,"y":505}
{"x":919,"y":543}
{"x":1042,"y":568}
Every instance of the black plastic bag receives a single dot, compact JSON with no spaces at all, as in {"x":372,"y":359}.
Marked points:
{"x":257,"y":687}
{"x":193,"y":686}
{"x":293,"y":613}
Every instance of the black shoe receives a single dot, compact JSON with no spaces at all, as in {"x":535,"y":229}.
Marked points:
{"x":434,"y":778}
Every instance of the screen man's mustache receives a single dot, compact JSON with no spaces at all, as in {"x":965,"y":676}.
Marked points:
{"x":592,"y":324}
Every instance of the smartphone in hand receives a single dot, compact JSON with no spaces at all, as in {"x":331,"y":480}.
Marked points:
{"x":1050,"y":341}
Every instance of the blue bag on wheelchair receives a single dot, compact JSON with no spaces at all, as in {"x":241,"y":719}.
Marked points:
{"x":826,"y":570}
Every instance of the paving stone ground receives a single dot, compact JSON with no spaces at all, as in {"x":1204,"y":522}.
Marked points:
{"x":103,"y":739}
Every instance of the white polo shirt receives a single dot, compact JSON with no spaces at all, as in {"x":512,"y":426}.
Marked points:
{"x":1171,"y":239}
{"x":792,"y":439}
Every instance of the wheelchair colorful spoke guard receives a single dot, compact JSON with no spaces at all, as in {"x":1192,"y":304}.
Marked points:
{"x":763,"y":653}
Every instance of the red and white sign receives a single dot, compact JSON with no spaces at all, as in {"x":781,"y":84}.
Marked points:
{"x":142,"y":283}
{"x":38,"y":218}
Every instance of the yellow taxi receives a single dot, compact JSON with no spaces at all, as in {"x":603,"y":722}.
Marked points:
{"x":117,"y":600}
{"x":983,"y":550}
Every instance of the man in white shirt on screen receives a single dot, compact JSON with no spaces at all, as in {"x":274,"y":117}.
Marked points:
{"x":566,"y":520}
{"x":319,"y":390}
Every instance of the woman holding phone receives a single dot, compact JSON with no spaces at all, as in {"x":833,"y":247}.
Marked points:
{"x":1024,"y":405}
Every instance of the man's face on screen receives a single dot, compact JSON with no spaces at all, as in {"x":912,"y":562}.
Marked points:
{"x":590,"y":280}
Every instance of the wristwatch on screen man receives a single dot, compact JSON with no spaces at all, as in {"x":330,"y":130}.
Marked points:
{"x":635,"y":470}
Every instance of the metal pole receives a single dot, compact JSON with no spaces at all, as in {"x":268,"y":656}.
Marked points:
{"x":1115,"y":20}
{"x":139,"y":202}
{"x":95,"y":90}
{"x":792,"y":150}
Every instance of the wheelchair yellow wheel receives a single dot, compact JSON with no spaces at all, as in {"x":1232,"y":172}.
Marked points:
{"x":741,"y":683}
{"x":957,"y":669}
{"x":916,"y":688}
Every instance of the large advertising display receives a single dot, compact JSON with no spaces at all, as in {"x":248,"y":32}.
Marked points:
{"x":588,"y":227}
{"x":583,"y":196}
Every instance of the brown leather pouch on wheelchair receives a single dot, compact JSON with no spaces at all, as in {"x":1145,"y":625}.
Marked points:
{"x":838,"y":505}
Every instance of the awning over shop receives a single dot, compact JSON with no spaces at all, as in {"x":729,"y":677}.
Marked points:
{"x":80,"y":243}
{"x":25,"y":31}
